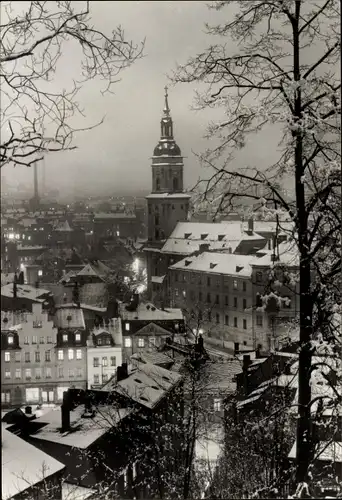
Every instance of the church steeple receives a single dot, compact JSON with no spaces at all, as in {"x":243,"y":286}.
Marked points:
{"x":166,"y":121}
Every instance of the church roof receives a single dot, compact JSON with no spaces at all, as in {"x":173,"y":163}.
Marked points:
{"x":169,"y":148}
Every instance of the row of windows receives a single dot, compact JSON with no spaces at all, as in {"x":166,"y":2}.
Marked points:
{"x":40,"y":373}
{"x":105,"y":378}
{"x":77,"y":336}
{"x":209,"y":318}
{"x":209,"y":280}
{"x":34,"y":338}
{"x":96,"y":361}
{"x":141,"y":342}
{"x":37,"y":358}
{"x":209,"y":298}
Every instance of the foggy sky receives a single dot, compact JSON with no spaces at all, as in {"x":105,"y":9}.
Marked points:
{"x":116,"y":156}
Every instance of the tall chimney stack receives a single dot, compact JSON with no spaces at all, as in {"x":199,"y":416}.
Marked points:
{"x":35,"y":172}
{"x":65,"y":410}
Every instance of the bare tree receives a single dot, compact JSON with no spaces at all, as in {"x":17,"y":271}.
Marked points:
{"x":283,"y":73}
{"x":34,"y":37}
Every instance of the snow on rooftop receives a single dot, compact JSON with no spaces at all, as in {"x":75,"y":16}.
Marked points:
{"x":286,"y":251}
{"x":84,"y":431}
{"x":116,"y":215}
{"x":217,"y":263}
{"x":75,"y":492}
{"x":69,"y":318}
{"x":168,"y":195}
{"x":149,"y":312}
{"x":147,"y":384}
{"x":23,"y":465}
{"x":24,"y":291}
{"x":157,"y":279}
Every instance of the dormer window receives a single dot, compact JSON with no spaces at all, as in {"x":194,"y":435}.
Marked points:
{"x":77,"y":337}
{"x":65,"y":337}
{"x":220,"y":237}
{"x":203,"y":236}
{"x":187,"y":235}
{"x":127,"y":327}
{"x":212,"y":265}
{"x":10,"y":339}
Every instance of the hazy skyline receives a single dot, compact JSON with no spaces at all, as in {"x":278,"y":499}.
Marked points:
{"x":116,"y":155}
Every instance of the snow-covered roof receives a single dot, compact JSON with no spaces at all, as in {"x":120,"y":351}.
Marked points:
{"x":63,"y":227}
{"x":157,"y":279}
{"x":287,"y":252}
{"x":149,"y":312}
{"x":84,"y":431}
{"x":75,"y":492}
{"x":7,"y":278}
{"x":30,"y":247}
{"x":23,"y":465}
{"x":147,"y":384}
{"x":25,"y":291}
{"x":271,"y":227}
{"x":69,"y":318}
{"x":217,"y":263}
{"x":154,"y":358}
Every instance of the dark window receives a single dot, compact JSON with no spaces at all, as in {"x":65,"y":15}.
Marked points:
{"x":200,"y":297}
{"x":259,"y":277}
{"x":208,"y":281}
{"x":37,"y":357}
{"x":235,"y":301}
{"x":226,"y":300}
{"x":156,"y":220}
{"x":217,"y":318}
{"x":176,"y":276}
{"x":259,"y":320}
{"x":208,"y":298}
{"x":27,"y":357}
{"x":245,"y":324}
{"x":175,"y":184}
{"x":157,"y":184}
{"x":156,"y":234}
{"x":244,"y":302}
{"x":244,"y":286}
{"x":235,"y":322}
{"x":209,"y":316}
{"x":226,"y":320}
{"x":217,"y":301}
{"x":47,"y":356}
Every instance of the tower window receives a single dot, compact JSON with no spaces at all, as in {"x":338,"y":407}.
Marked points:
{"x":175,"y":184}
{"x":158,"y":184}
{"x":156,"y":234}
{"x":156,"y":220}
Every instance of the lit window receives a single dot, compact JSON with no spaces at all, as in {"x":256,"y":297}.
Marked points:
{"x":27,"y":373}
{"x":60,"y":355}
{"x":104,"y":361}
{"x":65,"y":337}
{"x":70,"y":354}
{"x":10,"y":339}
{"x":18,"y":373}
{"x":40,"y":272}
{"x":217,"y":404}
{"x":7,"y":357}
{"x":7,"y":374}
{"x":127,"y":327}
{"x":78,"y":337}
{"x":235,"y":284}
{"x":128,"y":342}
{"x":141,"y":342}
{"x":78,"y":354}
{"x":96,"y":362}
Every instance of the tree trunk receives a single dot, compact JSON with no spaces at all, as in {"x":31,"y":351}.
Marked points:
{"x":304,"y":389}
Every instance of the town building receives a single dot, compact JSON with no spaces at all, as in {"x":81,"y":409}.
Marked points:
{"x":118,"y":224}
{"x":103,"y":437}
{"x":167,"y":204}
{"x":104,"y":352}
{"x":145,"y":327}
{"x":18,"y":297}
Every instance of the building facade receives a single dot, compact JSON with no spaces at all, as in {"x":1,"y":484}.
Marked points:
{"x":104,"y":352}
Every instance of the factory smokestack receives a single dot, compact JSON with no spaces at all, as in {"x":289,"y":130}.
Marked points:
{"x":35,"y":173}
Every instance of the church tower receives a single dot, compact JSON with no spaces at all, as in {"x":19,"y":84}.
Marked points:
{"x":167,"y":204}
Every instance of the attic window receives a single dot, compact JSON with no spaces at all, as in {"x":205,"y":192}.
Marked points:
{"x":137,"y":380}
{"x":212,"y":265}
{"x":153,"y":308}
{"x":155,"y":387}
{"x":148,"y":306}
{"x":69,"y":317}
{"x":220,"y":237}
{"x":187,"y":262}
{"x":239,"y":268}
{"x":166,"y":378}
{"x":143,"y":398}
{"x":187,"y":235}
{"x":203,"y":236}
{"x":5,"y":320}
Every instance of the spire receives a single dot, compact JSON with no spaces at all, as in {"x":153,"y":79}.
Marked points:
{"x":166,"y":107}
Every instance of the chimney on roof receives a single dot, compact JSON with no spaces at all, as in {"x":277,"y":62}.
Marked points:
{"x":15,"y":287}
{"x":251,"y":224}
{"x":65,"y":411}
{"x":245,"y":364}
{"x":122,"y":372}
{"x":258,"y":352}
{"x":28,"y":410}
{"x":236,"y":348}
